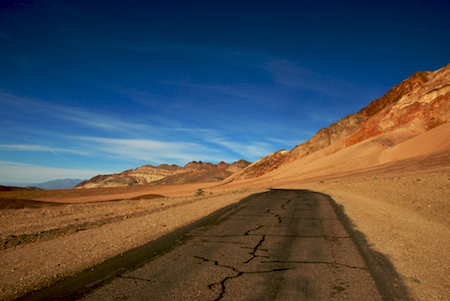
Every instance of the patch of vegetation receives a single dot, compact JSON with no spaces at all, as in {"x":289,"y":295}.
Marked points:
{"x":199,"y":192}
{"x":242,"y":189}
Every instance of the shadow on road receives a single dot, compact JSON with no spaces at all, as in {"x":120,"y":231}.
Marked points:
{"x":280,"y":208}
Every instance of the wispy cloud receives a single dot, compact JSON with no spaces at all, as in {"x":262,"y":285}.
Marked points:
{"x":115,"y":139}
{"x":151,"y":150}
{"x":98,"y":121}
{"x":141,"y":149}
{"x":254,"y":149}
{"x":78,"y":116}
{"x":14,"y":172}
{"x":293,"y":75}
{"x":250,"y":149}
{"x":20,"y":147}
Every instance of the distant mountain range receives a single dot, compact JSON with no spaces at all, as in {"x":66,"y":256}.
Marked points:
{"x":17,"y":188}
{"x":193,"y":172}
{"x":50,"y":185}
{"x":60,"y":184}
{"x":411,"y":108}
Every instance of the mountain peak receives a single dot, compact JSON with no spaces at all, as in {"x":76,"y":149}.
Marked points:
{"x":396,"y":93}
{"x":418,"y":104}
{"x":192,"y":172}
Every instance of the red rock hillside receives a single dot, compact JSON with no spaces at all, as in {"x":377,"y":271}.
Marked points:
{"x":416,"y":105}
{"x":191,"y":172}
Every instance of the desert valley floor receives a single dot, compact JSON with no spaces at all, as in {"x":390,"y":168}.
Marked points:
{"x":402,"y":208}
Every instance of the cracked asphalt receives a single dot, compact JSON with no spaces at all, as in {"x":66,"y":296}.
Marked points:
{"x":276,"y":245}
{"x":279,"y":245}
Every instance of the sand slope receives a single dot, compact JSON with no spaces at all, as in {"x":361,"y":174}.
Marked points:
{"x":395,"y":187}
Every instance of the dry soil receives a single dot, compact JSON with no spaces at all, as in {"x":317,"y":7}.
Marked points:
{"x":403,"y":212}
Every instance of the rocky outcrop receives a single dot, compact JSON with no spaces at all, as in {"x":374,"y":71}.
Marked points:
{"x":395,"y":93}
{"x":327,"y":136}
{"x":322,"y":139}
{"x":150,"y":174}
{"x":424,"y":101}
{"x":420,"y":103}
{"x":236,"y":166}
{"x":260,"y":167}
{"x":214,"y":174}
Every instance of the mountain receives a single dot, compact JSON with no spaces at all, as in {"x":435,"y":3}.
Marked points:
{"x":50,"y":185}
{"x":166,"y":174}
{"x":214,"y":174}
{"x":413,"y":107}
{"x":59,"y":184}
{"x":14,"y":188}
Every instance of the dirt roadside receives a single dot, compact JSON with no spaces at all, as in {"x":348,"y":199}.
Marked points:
{"x":74,"y":237}
{"x":404,"y":214}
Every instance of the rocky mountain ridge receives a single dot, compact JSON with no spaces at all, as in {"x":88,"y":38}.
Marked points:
{"x":148,"y":174}
{"x":416,"y":104}
{"x":15,"y":188}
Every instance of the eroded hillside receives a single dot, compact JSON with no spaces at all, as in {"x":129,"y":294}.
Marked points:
{"x":417,"y":105}
{"x":190,"y":173}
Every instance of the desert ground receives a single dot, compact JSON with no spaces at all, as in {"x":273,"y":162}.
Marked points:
{"x":398,"y":196}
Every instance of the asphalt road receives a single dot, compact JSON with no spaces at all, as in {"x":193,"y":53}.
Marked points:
{"x":278,"y":245}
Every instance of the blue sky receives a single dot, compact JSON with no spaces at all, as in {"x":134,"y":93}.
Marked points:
{"x":89,"y":88}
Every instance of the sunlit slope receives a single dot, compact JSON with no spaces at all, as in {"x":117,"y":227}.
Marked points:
{"x":413,"y":107}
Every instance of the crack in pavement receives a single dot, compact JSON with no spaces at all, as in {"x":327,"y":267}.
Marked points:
{"x":221,"y":284}
{"x":282,"y":208}
{"x":255,"y":229}
{"x":216,"y":263}
{"x":287,"y":203}
{"x":270,"y":235}
{"x":267,"y":235}
{"x":136,"y":278}
{"x":253,"y":253}
{"x":222,"y":242}
{"x":238,"y":255}
{"x":273,"y":212}
{"x":308,"y":209}
{"x":273,"y":235}
{"x":248,"y":215}
{"x":316,"y":262}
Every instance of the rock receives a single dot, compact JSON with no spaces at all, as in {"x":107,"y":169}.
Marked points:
{"x":166,"y":174}
{"x":417,"y":104}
